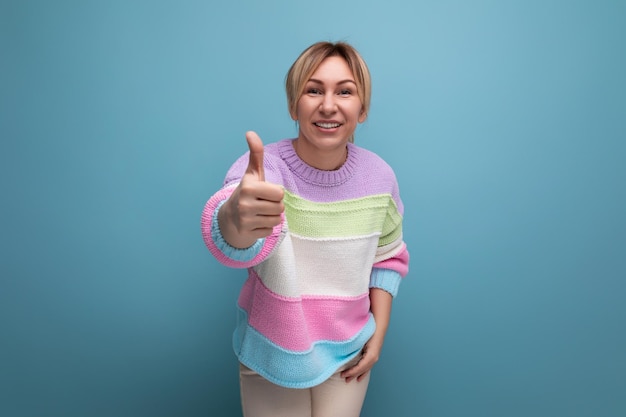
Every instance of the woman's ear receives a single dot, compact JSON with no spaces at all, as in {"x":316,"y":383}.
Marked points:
{"x":362,"y":115}
{"x":293,"y":114}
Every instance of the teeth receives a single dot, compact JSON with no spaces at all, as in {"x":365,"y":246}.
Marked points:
{"x":328,"y":125}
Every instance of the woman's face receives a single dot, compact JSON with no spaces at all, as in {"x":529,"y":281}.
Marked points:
{"x":328,"y":112}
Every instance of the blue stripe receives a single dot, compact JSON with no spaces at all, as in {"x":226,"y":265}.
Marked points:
{"x":295,"y":369}
{"x":385,"y":279}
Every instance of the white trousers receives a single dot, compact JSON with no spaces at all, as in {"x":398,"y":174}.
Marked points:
{"x":332,"y":398}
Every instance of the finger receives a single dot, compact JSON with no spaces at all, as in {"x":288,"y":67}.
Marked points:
{"x":269,"y":192}
{"x":250,"y":209}
{"x":358,"y":371}
{"x":350,"y":373}
{"x":267,"y":222}
{"x":357,"y":375}
{"x":269,"y":208}
{"x":255,"y":165}
{"x":363,"y":375}
{"x":261,"y":232}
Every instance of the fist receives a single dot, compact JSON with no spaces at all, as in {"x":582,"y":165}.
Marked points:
{"x":256,"y":206}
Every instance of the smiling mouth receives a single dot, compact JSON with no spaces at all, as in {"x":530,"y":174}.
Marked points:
{"x":327,"y":125}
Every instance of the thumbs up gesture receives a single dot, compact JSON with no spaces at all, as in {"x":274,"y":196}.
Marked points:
{"x":255,"y":207}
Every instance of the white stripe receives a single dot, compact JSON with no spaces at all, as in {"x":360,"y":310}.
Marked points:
{"x":325,"y":267}
{"x":389,"y":250}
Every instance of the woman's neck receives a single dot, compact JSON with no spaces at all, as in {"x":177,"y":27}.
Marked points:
{"x":330,"y":160}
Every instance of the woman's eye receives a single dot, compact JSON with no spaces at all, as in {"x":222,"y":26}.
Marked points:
{"x":314,"y":91}
{"x":345,"y":92}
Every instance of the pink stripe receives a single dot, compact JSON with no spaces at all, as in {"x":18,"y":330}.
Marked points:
{"x":296,"y":323}
{"x":207,"y":220}
{"x":399,"y":263}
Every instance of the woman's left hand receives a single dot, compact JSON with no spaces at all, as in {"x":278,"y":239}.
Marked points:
{"x":370,"y":355}
{"x":380,"y":301}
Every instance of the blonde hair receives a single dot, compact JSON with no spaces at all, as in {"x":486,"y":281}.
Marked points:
{"x":311,"y":58}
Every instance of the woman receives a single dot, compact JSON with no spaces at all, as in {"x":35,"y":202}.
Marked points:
{"x":317,"y":222}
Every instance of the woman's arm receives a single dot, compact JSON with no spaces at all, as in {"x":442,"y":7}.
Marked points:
{"x":380,"y":301}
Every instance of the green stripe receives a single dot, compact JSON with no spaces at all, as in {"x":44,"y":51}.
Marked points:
{"x":347,"y":218}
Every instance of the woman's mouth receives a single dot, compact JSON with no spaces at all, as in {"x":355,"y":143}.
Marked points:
{"x":327,"y":125}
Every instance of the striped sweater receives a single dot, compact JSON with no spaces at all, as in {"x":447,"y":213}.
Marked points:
{"x":304,"y":309}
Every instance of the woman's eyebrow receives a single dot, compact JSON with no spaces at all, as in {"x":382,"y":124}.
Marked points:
{"x":314,"y":80}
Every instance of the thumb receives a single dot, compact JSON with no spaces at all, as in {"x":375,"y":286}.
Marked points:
{"x":255,"y":165}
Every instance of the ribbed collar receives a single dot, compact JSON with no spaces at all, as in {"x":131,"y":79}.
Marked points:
{"x":317,"y":176}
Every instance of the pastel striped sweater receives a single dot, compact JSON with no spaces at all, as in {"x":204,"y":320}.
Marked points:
{"x":304,"y":309}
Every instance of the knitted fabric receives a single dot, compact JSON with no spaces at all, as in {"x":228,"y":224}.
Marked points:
{"x":304,"y":309}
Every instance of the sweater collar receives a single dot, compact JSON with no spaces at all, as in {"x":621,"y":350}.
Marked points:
{"x":316,"y":176}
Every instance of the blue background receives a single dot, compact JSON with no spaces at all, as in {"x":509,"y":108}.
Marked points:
{"x":504,"y":120}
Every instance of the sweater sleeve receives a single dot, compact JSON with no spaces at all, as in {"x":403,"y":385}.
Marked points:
{"x":388,"y":274}
{"x":391,"y":262}
{"x":222,"y":250}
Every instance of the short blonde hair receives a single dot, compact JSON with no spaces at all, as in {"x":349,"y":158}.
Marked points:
{"x":311,"y":58}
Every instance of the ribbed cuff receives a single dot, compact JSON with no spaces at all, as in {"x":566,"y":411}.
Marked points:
{"x":385,"y":279}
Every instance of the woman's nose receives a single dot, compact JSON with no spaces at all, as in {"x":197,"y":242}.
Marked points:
{"x":328,"y":104}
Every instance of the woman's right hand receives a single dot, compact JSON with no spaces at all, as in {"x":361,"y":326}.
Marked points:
{"x":255,"y":207}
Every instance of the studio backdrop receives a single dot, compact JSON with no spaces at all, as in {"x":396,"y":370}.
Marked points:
{"x":504,"y":122}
